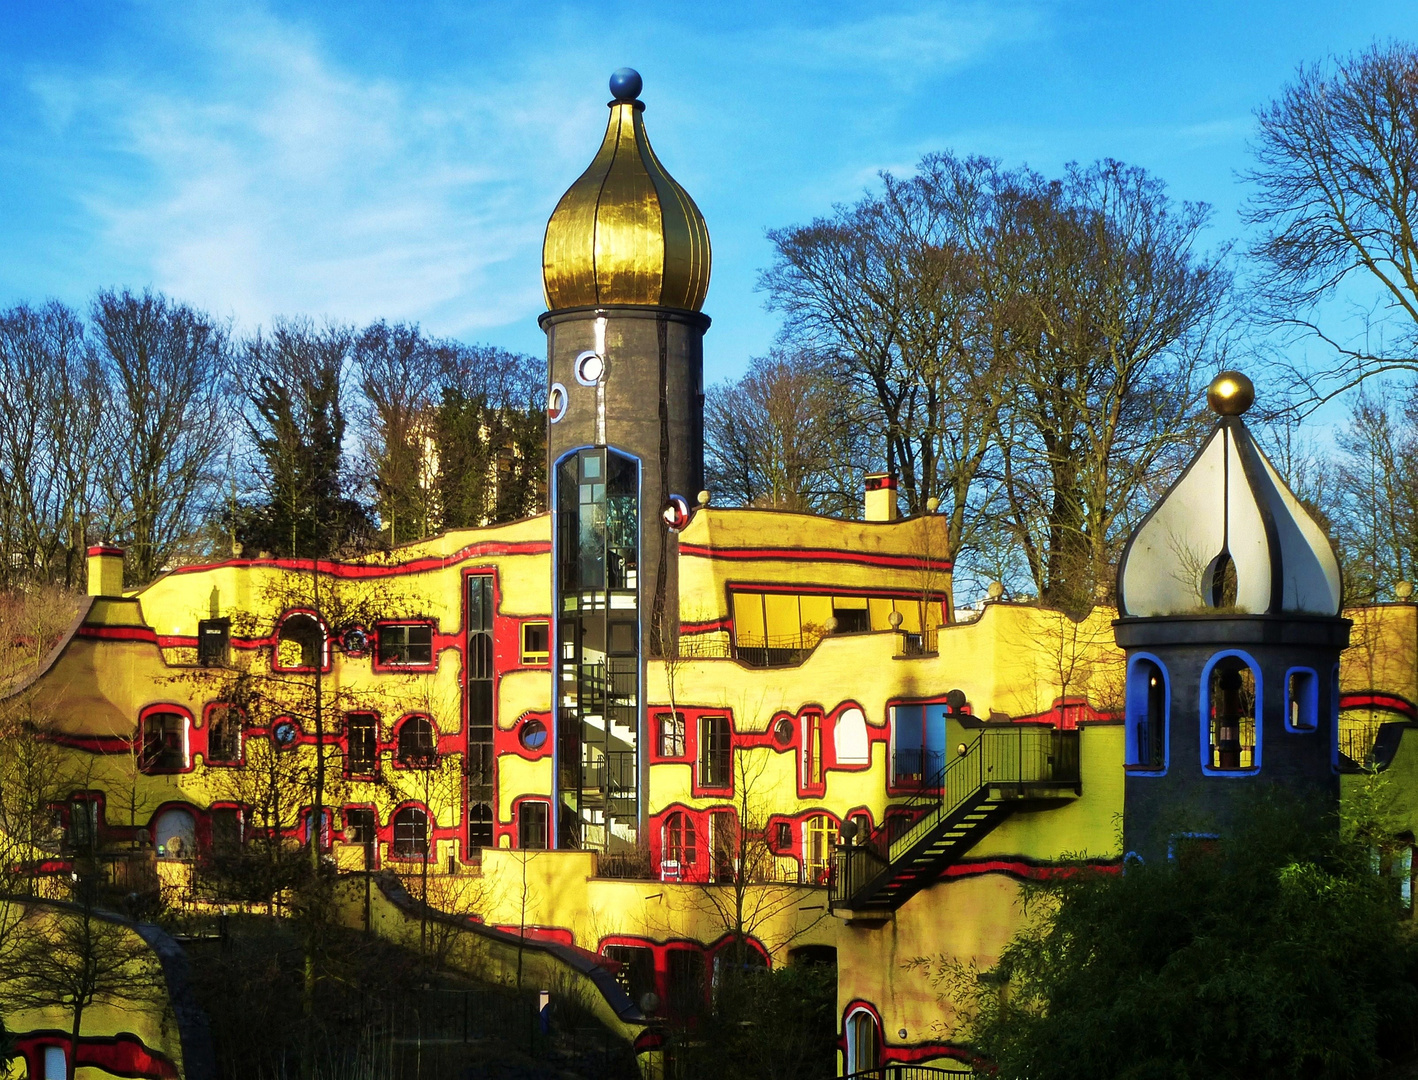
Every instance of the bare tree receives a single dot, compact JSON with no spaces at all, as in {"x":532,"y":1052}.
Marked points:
{"x":1336,"y":200}
{"x":167,"y":364}
{"x":52,"y":400}
{"x":75,"y":957}
{"x":899,"y":294}
{"x":786,"y":436}
{"x":1117,"y":314}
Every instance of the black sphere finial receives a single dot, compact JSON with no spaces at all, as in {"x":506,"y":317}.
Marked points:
{"x":626,"y":84}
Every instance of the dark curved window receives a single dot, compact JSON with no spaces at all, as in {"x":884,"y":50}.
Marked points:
{"x":534,"y":734}
{"x":1146,"y":715}
{"x":417,"y":746}
{"x":480,"y":825}
{"x":679,"y":840}
{"x":1231,"y":715}
{"x":300,"y":642}
{"x":411,"y":833}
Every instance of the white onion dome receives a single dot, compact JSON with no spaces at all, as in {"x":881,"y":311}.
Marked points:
{"x":1229,"y":536}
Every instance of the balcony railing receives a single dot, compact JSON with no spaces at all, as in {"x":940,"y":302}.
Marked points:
{"x":908,"y":1071}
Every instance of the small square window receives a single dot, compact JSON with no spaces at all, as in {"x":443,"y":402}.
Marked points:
{"x":622,"y":641}
{"x":359,"y":825}
{"x":783,"y":836}
{"x":536,"y":642}
{"x":406,"y":645}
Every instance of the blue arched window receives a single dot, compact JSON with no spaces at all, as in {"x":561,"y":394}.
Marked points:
{"x":1147,"y":711}
{"x":1231,"y":708}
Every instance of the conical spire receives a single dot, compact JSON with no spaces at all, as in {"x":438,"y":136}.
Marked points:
{"x":1229,"y":535}
{"x":626,"y":232}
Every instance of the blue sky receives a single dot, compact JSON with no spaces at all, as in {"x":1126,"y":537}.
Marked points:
{"x":400,"y":160}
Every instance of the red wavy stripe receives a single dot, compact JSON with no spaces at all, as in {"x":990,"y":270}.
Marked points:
{"x":904,"y":562}
{"x":1371,"y":699}
{"x":117,"y":633}
{"x":120,"y":1055}
{"x":1021,"y":869}
{"x":364,"y":570}
{"x":94,"y":744}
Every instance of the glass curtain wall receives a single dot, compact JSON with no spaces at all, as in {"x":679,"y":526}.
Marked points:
{"x":598,"y":649}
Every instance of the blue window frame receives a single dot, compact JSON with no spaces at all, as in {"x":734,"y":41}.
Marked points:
{"x":1302,"y":699}
{"x":1232,"y":704}
{"x":1147,"y":711}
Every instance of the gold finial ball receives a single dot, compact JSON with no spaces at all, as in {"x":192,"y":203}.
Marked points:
{"x":1230,"y":394}
{"x":1403,"y":590}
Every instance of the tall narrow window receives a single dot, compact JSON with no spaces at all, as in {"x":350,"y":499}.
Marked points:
{"x":83,"y":824}
{"x":224,"y":734}
{"x":724,"y":841}
{"x":1231,"y":703}
{"x":360,"y":829}
{"x":812,"y":750}
{"x":686,"y":983}
{"x":863,"y":1042}
{"x":411,"y":833}
{"x":819,"y":837}
{"x":362,"y":755}
{"x":532,"y":825}
{"x":715,"y":752}
{"x":479,"y":615}
{"x":227,"y":831}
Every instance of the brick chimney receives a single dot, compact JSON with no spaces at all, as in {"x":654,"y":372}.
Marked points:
{"x":105,"y":570}
{"x":881,"y":498}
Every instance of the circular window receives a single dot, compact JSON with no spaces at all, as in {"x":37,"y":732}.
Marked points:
{"x":556,"y":402}
{"x":356,"y":641}
{"x":783,"y":732}
{"x":590,"y":368}
{"x":285,"y":732}
{"x":534,"y":734}
{"x":676,"y":512}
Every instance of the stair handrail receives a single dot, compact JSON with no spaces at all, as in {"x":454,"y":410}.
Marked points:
{"x":995,"y":757}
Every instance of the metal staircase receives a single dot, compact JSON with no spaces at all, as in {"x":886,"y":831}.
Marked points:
{"x":1000,"y":771}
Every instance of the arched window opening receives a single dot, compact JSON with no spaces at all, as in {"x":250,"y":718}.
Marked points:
{"x":1147,"y":715}
{"x":418,"y":749}
{"x":480,"y":825}
{"x":1219,"y":582}
{"x":1302,"y":699}
{"x":175,"y":834}
{"x":411,"y":833}
{"x":164,"y":746}
{"x":1232,"y":703}
{"x":678,"y":849}
{"x":863,"y":1042}
{"x":300,"y":642}
{"x":852,"y":744}
{"x":224,"y":734}
{"x":819,"y":838}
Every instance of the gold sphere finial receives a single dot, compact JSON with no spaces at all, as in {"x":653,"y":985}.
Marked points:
{"x":1230,"y":394}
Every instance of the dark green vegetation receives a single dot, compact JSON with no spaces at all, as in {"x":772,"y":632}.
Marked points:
{"x":1278,"y":952}
{"x":380,"y":1013}
{"x":762,"y":1025}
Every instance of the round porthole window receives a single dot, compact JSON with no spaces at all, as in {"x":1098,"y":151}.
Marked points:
{"x":285,"y":732}
{"x":556,"y":402}
{"x":534,"y":734}
{"x":783,"y":732}
{"x":676,"y":512}
{"x":590,"y":368}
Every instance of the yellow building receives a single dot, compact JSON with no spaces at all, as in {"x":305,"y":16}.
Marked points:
{"x":604,"y":725}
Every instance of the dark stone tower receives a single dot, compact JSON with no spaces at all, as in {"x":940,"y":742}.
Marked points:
{"x":1229,"y":596}
{"x":625,"y":266}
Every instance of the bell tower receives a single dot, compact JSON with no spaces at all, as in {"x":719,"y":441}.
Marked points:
{"x":1229,"y":599}
{"x":625,"y":268}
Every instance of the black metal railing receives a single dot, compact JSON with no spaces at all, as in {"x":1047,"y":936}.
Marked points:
{"x":907,"y":1071}
{"x":914,"y":768}
{"x":1009,"y":756}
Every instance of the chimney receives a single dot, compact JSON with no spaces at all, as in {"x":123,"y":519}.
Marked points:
{"x":881,"y":498}
{"x":105,"y":570}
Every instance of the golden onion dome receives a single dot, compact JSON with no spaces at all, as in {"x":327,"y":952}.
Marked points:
{"x":625,"y":232}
